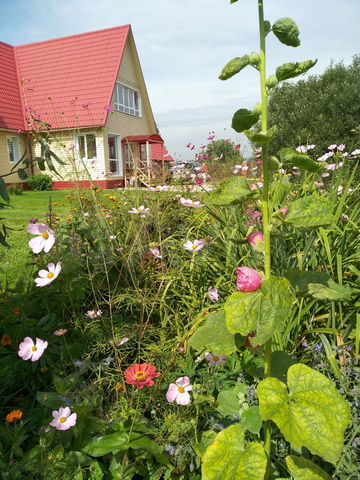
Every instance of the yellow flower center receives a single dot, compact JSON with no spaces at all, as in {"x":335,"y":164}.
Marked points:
{"x":50,"y":275}
{"x":45,"y":235}
{"x":62,"y":420}
{"x":181,"y":389}
{"x":216,"y":359}
{"x":140,"y":376}
{"x":34,"y":349}
{"x":193,"y":247}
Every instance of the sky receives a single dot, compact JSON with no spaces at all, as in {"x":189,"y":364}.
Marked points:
{"x":183,"y":45}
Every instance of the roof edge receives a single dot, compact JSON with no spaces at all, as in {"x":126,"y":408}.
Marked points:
{"x":21,"y":96}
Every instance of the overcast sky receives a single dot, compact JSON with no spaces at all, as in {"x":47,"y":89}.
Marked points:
{"x":183,"y":45}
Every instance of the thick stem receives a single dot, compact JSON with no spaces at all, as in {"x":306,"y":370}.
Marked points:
{"x":265,"y":206}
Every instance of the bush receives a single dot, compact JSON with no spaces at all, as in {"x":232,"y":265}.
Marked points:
{"x":16,"y":189}
{"x":40,"y":182}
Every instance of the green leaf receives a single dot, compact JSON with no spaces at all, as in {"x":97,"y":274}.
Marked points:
{"x":251,"y":419}
{"x":301,"y":279}
{"x":291,"y":70}
{"x":271,"y":82}
{"x":233,"y":1}
{"x":142,"y":441}
{"x":291,"y":157}
{"x":58,"y":159}
{"x":310,"y":211}
{"x":112,"y":443}
{"x":304,"y":469}
{"x":213,"y":336}
{"x":228,"y":458}
{"x":234,"y":66}
{"x":332,"y":291}
{"x":280,"y":364}
{"x":50,"y":400}
{"x":261,"y":138}
{"x":230,"y":400}
{"x":3,"y":191}
{"x":231,"y":191}
{"x":267,"y":26}
{"x":40,"y":163}
{"x":264,"y":311}
{"x":244,"y":119}
{"x":286,"y":30}
{"x":311,"y":414}
{"x":22,"y":174}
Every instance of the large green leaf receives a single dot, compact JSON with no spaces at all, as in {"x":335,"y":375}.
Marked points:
{"x":300,"y":279}
{"x":292,"y":70}
{"x":332,"y":291}
{"x":230,"y":401}
{"x":310,"y":211}
{"x":304,"y":469}
{"x":234,"y":66}
{"x":112,"y":443}
{"x":3,"y":191}
{"x":244,"y":119}
{"x":213,"y":336}
{"x":231,"y":192}
{"x":251,"y":419}
{"x":291,"y":157}
{"x":228,"y":458}
{"x":264,"y":311}
{"x":286,"y":30}
{"x":311,"y":414}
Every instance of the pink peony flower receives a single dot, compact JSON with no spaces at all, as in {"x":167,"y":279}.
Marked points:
{"x":256,"y":240}
{"x":30,"y":351}
{"x":141,"y":375}
{"x":44,"y":240}
{"x":213,"y":294}
{"x":216,"y":360}
{"x":179,"y":391}
{"x":63,"y":419}
{"x":195,"y":246}
{"x":248,"y":280}
{"x":47,"y":276}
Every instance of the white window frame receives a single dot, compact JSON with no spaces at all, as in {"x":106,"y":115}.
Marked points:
{"x":15,"y":147}
{"x":119,"y":160}
{"x":124,"y":100}
{"x":85,"y":146}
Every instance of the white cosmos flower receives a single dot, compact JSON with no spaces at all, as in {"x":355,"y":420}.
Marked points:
{"x":331,"y":166}
{"x":215,"y":359}
{"x":341,"y":147}
{"x":63,"y":419}
{"x":194,"y":246}
{"x":94,"y":313}
{"x":179,"y":391}
{"x":187,"y":202}
{"x":301,"y":149}
{"x":28,"y":350}
{"x":47,"y":276}
{"x":45,"y":237}
{"x":142,"y":211}
{"x":355,"y":153}
{"x":159,"y":188}
{"x":332,"y":147}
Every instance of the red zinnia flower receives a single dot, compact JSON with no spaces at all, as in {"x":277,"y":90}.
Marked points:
{"x":141,"y":375}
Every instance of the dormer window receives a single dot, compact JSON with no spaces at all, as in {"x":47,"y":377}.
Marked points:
{"x":127,"y":100}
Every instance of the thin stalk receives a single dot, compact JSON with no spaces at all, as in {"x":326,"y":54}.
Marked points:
{"x":265,"y":207}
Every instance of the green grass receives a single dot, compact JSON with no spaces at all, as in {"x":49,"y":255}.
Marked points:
{"x":14,"y":261}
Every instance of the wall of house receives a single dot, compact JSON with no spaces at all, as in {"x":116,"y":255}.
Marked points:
{"x":5,"y":165}
{"x":64,"y":145}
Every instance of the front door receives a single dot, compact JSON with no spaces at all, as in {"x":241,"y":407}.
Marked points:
{"x":115,"y":160}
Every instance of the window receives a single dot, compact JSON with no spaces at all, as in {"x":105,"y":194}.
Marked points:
{"x":13,"y":149}
{"x":127,"y":100}
{"x":87,"y":146}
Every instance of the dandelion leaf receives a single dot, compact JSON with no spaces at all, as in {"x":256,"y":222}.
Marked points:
{"x":310,"y":412}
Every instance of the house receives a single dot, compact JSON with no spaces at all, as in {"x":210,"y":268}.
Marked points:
{"x":89,"y":93}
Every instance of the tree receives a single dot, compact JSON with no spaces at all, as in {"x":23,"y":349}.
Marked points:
{"x":322,"y":110}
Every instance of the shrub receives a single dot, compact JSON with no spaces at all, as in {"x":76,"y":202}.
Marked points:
{"x":16,"y":189}
{"x":40,"y":182}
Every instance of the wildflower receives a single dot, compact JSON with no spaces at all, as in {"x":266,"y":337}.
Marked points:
{"x":48,"y":276}
{"x":28,"y":350}
{"x":283,"y":211}
{"x":142,"y":211}
{"x":44,"y":240}
{"x":325,"y":157}
{"x":107,"y":361}
{"x":170,"y":449}
{"x":301,"y":149}
{"x":256,"y":240}
{"x":33,"y":220}
{"x":310,"y":147}
{"x":355,"y":153}
{"x":332,"y":147}
{"x":326,"y":174}
{"x":340,"y":189}
{"x":86,"y":214}
{"x":60,"y":332}
{"x":331,"y":166}
{"x":94,"y":313}
{"x":345,"y":218}
{"x":156,"y":252}
{"x":14,"y":416}
{"x":213,"y":294}
{"x":141,"y":375}
{"x":216,"y":359}
{"x":191,"y":146}
{"x":282,"y":171}
{"x":260,"y":184}
{"x":252,"y":186}
{"x":63,"y":419}
{"x":187,"y":202}
{"x":112,"y":237}
{"x":179,"y":391}
{"x":195,"y":246}
{"x":341,"y":147}
{"x":248,"y":279}
{"x":159,"y":188}
{"x":6,"y":341}
{"x":319,"y":184}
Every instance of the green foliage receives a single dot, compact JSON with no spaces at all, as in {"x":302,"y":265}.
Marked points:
{"x":292,"y":70}
{"x":228,"y":457}
{"x":244,"y":119}
{"x":292,"y":158}
{"x":230,"y":401}
{"x":231,"y":192}
{"x":234,"y":66}
{"x":304,"y":469}
{"x":287,"y":32}
{"x":311,"y":414}
{"x":40,"y":182}
{"x":310,"y":211}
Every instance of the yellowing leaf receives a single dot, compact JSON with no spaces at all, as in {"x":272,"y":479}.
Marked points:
{"x":303,"y":469}
{"x":311,"y":414}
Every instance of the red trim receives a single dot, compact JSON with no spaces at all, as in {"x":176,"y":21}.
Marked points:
{"x":103,"y":184}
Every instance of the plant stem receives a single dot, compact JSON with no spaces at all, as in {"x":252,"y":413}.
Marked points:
{"x":265,"y":207}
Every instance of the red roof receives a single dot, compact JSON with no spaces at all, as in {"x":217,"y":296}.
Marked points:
{"x":160,"y":153}
{"x":67,"y":82}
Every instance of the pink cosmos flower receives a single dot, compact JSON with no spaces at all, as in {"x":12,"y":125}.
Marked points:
{"x":216,"y":360}
{"x":213,"y":294}
{"x":141,"y":375}
{"x":179,"y":391}
{"x":283,"y":211}
{"x":30,"y":351}
{"x":256,"y":240}
{"x":94,"y":313}
{"x":248,"y":279}
{"x":156,"y":252}
{"x":187,"y":202}
{"x":44,"y":240}
{"x":63,"y":419}
{"x":195,"y":246}
{"x":47,"y":276}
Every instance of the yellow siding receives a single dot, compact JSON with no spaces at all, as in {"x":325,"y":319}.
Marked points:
{"x":5,"y":165}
